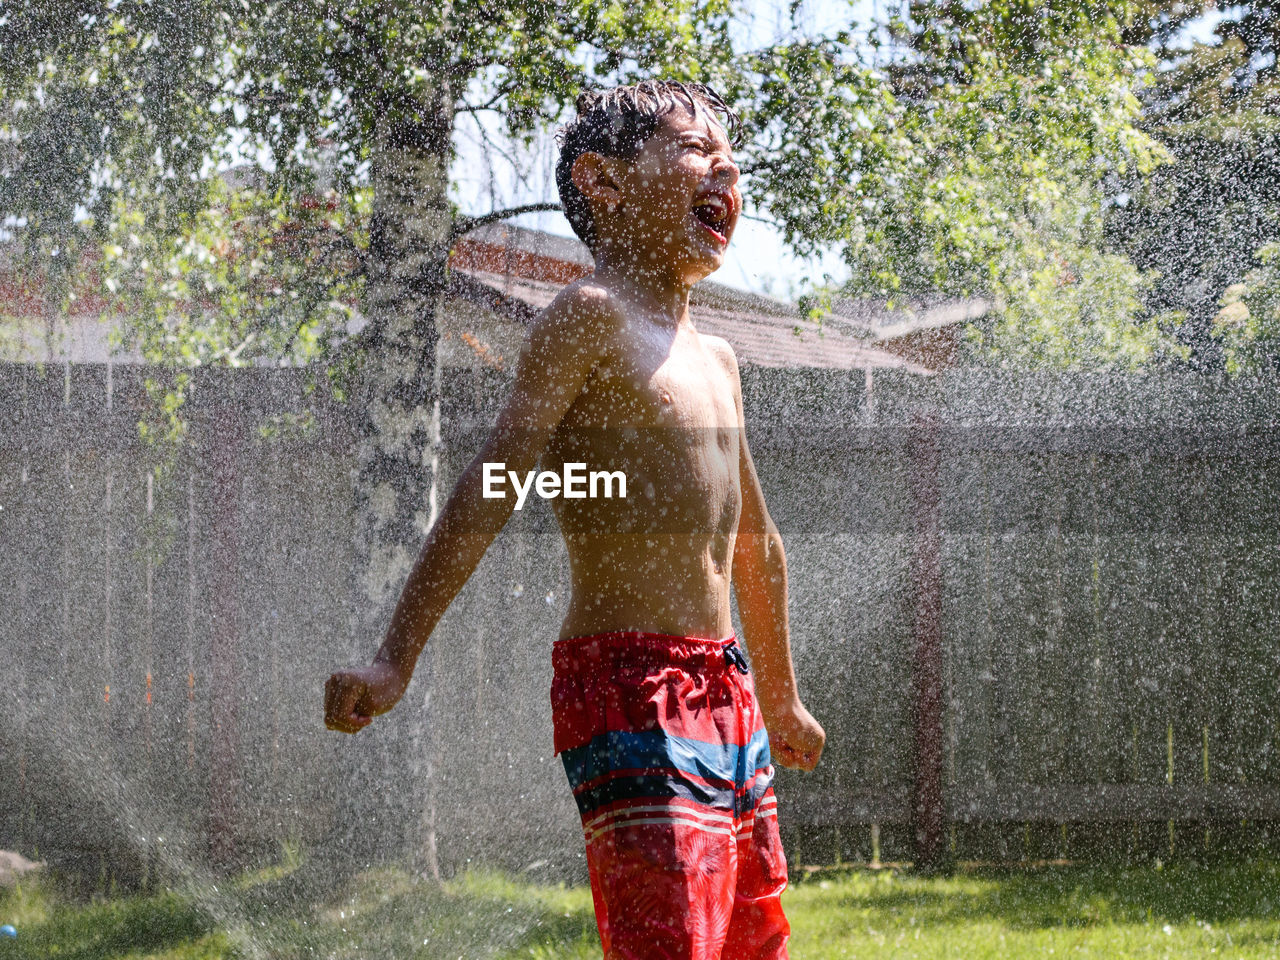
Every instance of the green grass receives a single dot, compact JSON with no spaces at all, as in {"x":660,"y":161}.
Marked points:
{"x":51,"y":924}
{"x":1181,"y":910}
{"x":1228,"y":910}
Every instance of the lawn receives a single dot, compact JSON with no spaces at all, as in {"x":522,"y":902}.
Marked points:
{"x":1180,"y":910}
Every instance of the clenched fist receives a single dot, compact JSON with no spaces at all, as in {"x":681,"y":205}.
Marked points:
{"x":795,"y":738}
{"x":354,"y":697}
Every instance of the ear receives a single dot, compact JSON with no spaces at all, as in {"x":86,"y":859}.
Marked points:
{"x":595,"y":176}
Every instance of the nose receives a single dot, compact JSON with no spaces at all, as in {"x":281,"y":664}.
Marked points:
{"x":726,"y":169}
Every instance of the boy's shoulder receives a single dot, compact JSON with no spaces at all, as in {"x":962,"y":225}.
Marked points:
{"x":576,"y":327}
{"x":591,"y":307}
{"x":586,"y":305}
{"x":720,"y":348}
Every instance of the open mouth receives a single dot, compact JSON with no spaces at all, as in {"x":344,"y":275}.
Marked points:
{"x":715,"y":217}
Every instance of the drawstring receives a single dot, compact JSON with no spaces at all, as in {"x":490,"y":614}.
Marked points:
{"x":733,"y":656}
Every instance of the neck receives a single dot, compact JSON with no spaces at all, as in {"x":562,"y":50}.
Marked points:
{"x":655,"y":288}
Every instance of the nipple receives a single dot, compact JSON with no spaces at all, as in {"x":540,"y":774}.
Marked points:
{"x":666,"y":397}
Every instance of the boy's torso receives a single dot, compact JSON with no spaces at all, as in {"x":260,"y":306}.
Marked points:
{"x":661,"y":407}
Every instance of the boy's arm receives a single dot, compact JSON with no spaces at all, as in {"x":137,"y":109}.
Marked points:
{"x":563,"y":346}
{"x":759,"y":571}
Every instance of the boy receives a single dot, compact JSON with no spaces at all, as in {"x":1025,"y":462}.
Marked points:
{"x":654,"y":711}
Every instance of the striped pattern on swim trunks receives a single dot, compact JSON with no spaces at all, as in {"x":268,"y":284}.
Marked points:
{"x":643,"y":716}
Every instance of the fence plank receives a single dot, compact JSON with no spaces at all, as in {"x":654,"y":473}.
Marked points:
{"x":927,"y":657}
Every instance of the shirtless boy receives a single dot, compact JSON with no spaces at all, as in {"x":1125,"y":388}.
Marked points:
{"x":655,"y":714}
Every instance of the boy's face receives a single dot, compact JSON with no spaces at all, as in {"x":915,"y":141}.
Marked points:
{"x":678,"y":202}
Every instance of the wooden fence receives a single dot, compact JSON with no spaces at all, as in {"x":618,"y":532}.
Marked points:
{"x":1037,"y":616}
{"x":1107,"y":604}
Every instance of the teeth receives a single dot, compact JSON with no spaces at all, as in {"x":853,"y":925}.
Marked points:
{"x":717,"y":205}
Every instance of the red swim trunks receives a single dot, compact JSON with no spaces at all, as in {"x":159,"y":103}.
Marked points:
{"x":668,"y":758}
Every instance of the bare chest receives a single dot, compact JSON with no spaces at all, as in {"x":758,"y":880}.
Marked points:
{"x":657,"y":381}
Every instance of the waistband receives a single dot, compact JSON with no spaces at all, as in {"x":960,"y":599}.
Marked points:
{"x":623,"y":648}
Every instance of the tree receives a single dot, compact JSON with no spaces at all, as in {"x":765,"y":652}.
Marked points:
{"x":1200,"y":220}
{"x":1019,"y":115}
{"x":1248,"y":325}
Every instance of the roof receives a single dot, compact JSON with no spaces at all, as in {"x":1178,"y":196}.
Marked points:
{"x":874,"y":319}
{"x":568,"y":249}
{"x":762,"y":331}
{"x":511,"y":273}
{"x":527,"y":268}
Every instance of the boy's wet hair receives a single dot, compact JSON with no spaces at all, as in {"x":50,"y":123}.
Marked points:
{"x":616,"y":123}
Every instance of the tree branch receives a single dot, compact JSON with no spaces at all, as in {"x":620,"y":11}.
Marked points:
{"x":356,"y":29}
{"x":371,"y":336}
{"x":464,"y":225}
{"x":465,"y":68}
{"x":488,"y":105}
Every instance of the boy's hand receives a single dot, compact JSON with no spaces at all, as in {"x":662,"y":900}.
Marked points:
{"x":795,"y":738}
{"x":352,"y":698}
